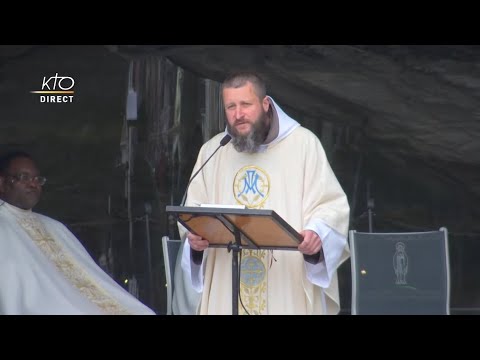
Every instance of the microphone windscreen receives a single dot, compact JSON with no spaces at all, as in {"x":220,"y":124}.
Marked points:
{"x":226,"y":139}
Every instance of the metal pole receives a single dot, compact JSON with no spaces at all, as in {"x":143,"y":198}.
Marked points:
{"x":370,"y":206}
{"x":129,"y":190}
{"x":235,"y":248}
{"x":148,"y":210}
{"x":133,"y":288}
{"x":355,"y":186}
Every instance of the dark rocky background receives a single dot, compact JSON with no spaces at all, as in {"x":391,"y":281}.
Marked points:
{"x":400,"y":124}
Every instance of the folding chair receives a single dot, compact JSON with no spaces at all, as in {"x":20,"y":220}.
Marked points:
{"x":400,"y":273}
{"x":170,"y":251}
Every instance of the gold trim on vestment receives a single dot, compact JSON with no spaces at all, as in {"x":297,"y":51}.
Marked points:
{"x":65,"y":264}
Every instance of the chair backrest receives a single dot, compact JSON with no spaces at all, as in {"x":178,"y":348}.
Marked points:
{"x":400,"y":273}
{"x":170,"y":251}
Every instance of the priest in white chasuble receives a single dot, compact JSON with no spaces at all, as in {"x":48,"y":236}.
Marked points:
{"x":271,"y":163}
{"x":44,"y":269}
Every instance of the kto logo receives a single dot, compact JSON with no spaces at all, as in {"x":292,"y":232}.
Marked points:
{"x":57,"y":89}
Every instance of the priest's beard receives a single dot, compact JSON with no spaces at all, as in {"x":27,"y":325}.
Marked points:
{"x":251,"y":142}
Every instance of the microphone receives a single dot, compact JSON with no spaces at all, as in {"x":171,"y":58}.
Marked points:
{"x":225,"y":140}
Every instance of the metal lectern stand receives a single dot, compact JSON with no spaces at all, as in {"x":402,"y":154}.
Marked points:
{"x":235,"y":230}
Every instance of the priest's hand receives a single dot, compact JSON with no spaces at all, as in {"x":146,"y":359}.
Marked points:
{"x":311,"y":243}
{"x":196,"y":242}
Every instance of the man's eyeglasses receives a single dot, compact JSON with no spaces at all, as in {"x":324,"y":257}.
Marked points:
{"x":25,"y":178}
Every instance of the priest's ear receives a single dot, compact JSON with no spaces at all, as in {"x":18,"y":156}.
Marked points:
{"x":266,"y":104}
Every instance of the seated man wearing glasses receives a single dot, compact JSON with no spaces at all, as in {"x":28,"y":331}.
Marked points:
{"x":44,"y":269}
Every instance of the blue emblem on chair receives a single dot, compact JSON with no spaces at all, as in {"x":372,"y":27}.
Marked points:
{"x":400,"y":264}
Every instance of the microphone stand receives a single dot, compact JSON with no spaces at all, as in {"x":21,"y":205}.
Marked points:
{"x":235,"y":248}
{"x":225,"y":140}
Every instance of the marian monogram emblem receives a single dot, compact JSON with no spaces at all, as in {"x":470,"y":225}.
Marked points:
{"x":251,"y":187}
